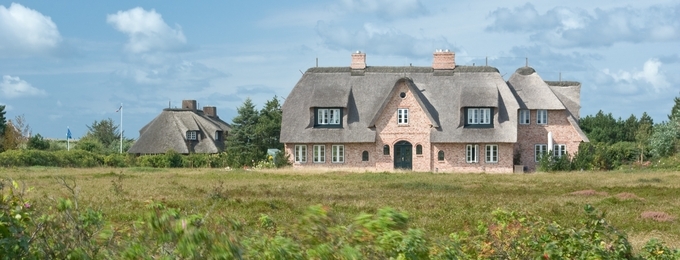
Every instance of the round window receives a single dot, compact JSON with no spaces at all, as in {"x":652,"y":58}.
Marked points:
{"x":402,"y":94}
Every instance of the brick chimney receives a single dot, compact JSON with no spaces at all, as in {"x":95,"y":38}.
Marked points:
{"x":210,"y":111}
{"x":444,"y":60}
{"x":358,"y":61}
{"x":189,"y":105}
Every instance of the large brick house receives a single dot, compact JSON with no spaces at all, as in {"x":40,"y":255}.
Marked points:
{"x":444,"y":118}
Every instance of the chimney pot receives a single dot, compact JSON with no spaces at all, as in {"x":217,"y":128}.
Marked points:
{"x":444,"y":60}
{"x":189,"y":104}
{"x":358,"y":61}
{"x":210,"y":111}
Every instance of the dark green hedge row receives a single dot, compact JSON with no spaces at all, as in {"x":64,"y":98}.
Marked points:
{"x":84,"y":159}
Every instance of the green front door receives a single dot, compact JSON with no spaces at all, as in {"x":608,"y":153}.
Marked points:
{"x":402,"y":155}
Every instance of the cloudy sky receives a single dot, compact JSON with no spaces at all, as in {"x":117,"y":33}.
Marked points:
{"x":68,"y":63}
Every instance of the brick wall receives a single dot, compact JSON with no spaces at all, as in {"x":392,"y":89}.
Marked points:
{"x":530,"y":135}
{"x":455,"y":158}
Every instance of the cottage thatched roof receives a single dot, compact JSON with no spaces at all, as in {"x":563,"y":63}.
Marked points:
{"x":168,"y":132}
{"x":532,"y":92}
{"x":569,"y":92}
{"x":438,"y":92}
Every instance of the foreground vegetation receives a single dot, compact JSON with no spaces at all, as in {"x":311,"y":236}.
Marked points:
{"x":283,"y":214}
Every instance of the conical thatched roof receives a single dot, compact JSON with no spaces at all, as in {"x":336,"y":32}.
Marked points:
{"x":532,"y":92}
{"x":168,"y":132}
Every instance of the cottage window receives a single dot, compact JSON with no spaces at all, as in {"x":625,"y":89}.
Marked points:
{"x":542,"y":117}
{"x":540,"y":150}
{"x":559,"y":150}
{"x":479,"y":117}
{"x":338,"y":153}
{"x":440,"y":155}
{"x":192,"y":135}
{"x":491,"y":153}
{"x":364,"y":156}
{"x":319,"y":153}
{"x":300,"y":153}
{"x":386,"y":150}
{"x":328,"y":117}
{"x":524,"y":116}
{"x":471,"y":153}
{"x":218,"y":135}
{"x":419,"y":149}
{"x":402,"y":116}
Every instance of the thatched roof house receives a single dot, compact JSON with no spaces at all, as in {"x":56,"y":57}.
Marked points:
{"x":440,"y":118}
{"x":184,"y":130}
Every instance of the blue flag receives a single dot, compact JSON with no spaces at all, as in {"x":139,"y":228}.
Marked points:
{"x":68,"y":133}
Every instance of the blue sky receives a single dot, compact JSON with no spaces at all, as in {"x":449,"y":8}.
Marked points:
{"x":68,"y":63}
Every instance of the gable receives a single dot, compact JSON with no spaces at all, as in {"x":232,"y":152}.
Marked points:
{"x":407,"y":85}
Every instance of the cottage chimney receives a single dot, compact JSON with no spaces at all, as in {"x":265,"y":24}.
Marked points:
{"x":210,"y":111}
{"x":358,"y":61}
{"x":189,"y":105}
{"x":444,"y":60}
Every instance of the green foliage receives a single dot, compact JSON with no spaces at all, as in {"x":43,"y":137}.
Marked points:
{"x":664,"y":139}
{"x":268,"y":128}
{"x":242,"y":142}
{"x":38,"y":142}
{"x":3,"y":121}
{"x":15,"y":221}
{"x":74,"y":158}
{"x":282,"y":159}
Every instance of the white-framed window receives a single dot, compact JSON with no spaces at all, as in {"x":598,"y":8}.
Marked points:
{"x":319,"y":153}
{"x":479,"y":116}
{"x":524,"y":116}
{"x":492,"y":153}
{"x":559,"y":150}
{"x":542,"y":117}
{"x":192,"y":135}
{"x":300,"y":153}
{"x":471,"y":153}
{"x":539,"y":150}
{"x":402,"y":116}
{"x":328,"y":116}
{"x":338,"y":153}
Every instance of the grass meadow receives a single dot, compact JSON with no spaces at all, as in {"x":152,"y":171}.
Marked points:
{"x":437,"y":203}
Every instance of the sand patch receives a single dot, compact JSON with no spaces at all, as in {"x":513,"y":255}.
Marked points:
{"x":628,"y":196}
{"x":657,"y":216}
{"x":589,"y":193}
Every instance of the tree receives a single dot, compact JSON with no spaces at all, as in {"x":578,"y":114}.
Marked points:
{"x":663,"y":139}
{"x":3,"y":120}
{"x":106,"y":133}
{"x":675,"y":111}
{"x":268,"y":127}
{"x":11,"y":139}
{"x":642,"y":135}
{"x":37,"y":142}
{"x":242,"y":143}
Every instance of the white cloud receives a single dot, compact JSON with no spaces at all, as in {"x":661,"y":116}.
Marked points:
{"x":576,"y":27}
{"x":13,"y":87}
{"x":376,"y":39}
{"x":387,"y":9}
{"x":633,"y":80}
{"x":147,"y":31}
{"x":24,"y":31}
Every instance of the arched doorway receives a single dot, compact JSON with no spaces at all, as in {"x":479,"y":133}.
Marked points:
{"x":403,"y":155}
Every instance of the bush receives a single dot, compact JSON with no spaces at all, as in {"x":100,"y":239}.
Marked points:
{"x":38,"y":143}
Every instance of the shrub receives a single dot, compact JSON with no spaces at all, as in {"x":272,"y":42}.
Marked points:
{"x":37,"y":142}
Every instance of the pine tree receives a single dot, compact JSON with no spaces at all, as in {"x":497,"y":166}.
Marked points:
{"x":269,"y":125}
{"x":675,"y":111}
{"x":242,"y":142}
{"x":3,"y":120}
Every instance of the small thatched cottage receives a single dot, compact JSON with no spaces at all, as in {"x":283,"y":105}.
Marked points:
{"x":184,"y":130}
{"x":441,"y":118}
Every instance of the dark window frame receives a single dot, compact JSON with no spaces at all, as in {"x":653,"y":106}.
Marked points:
{"x":364,"y":156}
{"x":316,"y":118}
{"x":419,"y":150}
{"x":386,"y":150}
{"x":440,"y":155}
{"x":465,"y":117}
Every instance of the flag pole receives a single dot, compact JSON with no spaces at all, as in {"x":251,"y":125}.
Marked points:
{"x":68,"y":144}
{"x":121,"y":128}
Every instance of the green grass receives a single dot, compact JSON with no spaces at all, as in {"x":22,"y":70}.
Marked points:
{"x":437,"y":203}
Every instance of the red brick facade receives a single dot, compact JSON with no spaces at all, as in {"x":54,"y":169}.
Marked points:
{"x":528,"y":136}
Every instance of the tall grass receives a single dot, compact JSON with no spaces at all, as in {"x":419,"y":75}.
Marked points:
{"x":437,"y":203}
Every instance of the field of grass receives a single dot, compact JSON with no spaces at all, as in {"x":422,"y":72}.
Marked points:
{"x":437,"y":203}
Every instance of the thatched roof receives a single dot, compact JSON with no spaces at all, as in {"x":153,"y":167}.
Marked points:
{"x":440,"y":93}
{"x":532,"y":92}
{"x":569,"y":92}
{"x":168,"y":132}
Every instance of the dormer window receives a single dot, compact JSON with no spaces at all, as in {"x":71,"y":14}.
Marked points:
{"x":479,"y":117}
{"x":328,"y":117}
{"x":192,"y":135}
{"x":218,"y":135}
